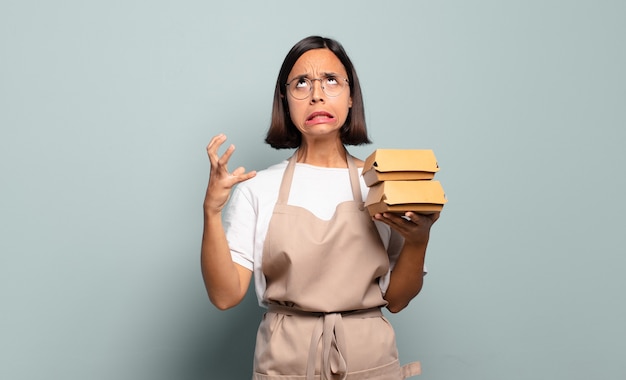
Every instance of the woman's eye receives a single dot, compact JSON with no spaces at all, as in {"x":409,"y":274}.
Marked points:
{"x":332,"y":81}
{"x":301,"y":83}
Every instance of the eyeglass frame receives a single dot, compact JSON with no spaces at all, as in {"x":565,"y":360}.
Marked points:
{"x":312,"y":80}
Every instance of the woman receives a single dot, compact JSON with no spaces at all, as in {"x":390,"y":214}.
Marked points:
{"x":321,"y":264}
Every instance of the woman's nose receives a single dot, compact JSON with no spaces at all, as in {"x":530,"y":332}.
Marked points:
{"x":317,"y":92}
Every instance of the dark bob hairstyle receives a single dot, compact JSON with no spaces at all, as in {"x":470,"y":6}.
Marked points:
{"x":282,"y":132}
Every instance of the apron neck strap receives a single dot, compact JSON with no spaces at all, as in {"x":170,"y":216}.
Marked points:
{"x":354,"y":179}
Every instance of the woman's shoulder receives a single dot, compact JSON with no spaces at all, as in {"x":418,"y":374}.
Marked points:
{"x":272,"y":172}
{"x":265,"y":180}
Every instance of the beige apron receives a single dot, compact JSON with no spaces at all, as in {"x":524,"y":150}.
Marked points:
{"x":324,"y":320}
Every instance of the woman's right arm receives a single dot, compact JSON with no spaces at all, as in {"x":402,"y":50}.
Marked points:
{"x":226,"y":282}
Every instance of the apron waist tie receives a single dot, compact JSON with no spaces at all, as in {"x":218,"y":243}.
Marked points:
{"x":329,"y":329}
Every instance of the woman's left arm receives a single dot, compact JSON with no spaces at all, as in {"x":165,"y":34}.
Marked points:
{"x":407,"y":276}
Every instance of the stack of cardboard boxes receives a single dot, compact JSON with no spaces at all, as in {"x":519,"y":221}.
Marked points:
{"x":401,"y":180}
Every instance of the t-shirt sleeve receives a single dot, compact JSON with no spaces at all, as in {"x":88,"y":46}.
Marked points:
{"x":240,"y":224}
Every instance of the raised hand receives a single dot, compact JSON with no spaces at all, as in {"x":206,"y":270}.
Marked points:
{"x":221,"y":181}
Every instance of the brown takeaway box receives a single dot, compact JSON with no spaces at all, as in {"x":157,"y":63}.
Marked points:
{"x":400,"y":196}
{"x":399,"y":164}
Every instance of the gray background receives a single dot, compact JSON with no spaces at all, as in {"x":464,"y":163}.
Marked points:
{"x":105,"y":111}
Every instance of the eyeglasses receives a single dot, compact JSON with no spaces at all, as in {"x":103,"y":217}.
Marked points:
{"x":301,"y":87}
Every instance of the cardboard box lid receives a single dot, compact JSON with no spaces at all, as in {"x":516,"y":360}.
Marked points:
{"x":389,"y":160}
{"x":406,"y":192}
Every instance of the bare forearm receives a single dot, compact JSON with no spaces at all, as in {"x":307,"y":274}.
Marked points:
{"x":407,"y":277}
{"x":221,"y":276}
{"x":225,"y":282}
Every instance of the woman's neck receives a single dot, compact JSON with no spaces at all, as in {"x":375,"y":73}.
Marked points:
{"x":325,"y":154}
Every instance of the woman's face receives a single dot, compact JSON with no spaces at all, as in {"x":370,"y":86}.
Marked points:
{"x":319,"y":115}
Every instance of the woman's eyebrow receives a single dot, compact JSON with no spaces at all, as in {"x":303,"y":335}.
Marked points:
{"x":325,"y":74}
{"x":301,"y":76}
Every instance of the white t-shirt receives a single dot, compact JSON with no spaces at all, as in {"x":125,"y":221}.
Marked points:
{"x":317,"y":189}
